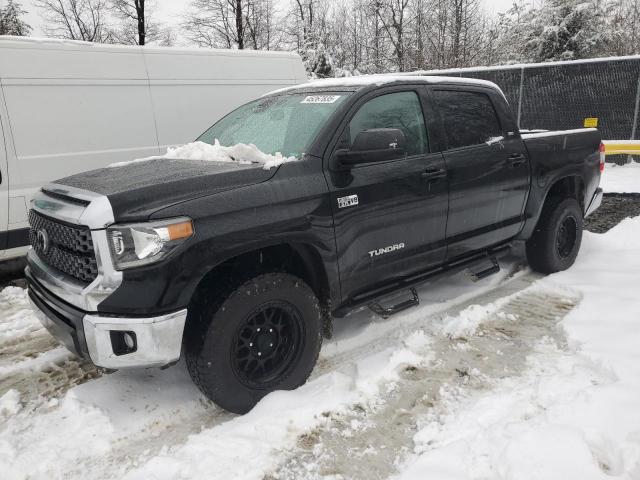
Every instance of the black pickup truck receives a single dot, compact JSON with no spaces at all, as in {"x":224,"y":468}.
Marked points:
{"x":241,"y":268}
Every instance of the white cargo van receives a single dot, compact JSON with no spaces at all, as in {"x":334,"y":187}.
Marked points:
{"x":69,"y":106}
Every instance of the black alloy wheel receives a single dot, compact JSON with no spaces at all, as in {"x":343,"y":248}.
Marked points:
{"x":555,"y":242}
{"x":567,"y":235}
{"x":267,"y":343}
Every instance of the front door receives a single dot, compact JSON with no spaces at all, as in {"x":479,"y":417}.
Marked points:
{"x":488,"y":172}
{"x":389,"y":216}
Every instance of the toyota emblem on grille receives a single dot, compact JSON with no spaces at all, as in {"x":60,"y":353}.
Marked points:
{"x":42,"y":240}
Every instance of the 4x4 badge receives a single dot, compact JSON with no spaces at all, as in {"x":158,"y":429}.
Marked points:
{"x":348,"y":201}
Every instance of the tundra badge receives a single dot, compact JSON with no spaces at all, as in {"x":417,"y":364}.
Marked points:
{"x":389,"y":249}
{"x":348,"y":201}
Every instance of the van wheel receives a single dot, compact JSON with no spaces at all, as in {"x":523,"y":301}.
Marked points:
{"x":555,"y":242}
{"x":264,"y":335}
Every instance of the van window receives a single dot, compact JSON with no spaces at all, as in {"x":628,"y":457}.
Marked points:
{"x":400,"y":110}
{"x":285,"y":124}
{"x":469,"y":117}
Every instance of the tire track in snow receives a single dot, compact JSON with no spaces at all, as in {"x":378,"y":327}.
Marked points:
{"x":514,"y":283}
{"x":47,"y":375}
{"x":25,"y":347}
{"x":31,"y":360}
{"x":368,"y":442}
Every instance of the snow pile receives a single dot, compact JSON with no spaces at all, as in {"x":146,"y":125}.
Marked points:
{"x":621,"y":178}
{"x":17,"y":317}
{"x":239,"y":153}
{"x":9,"y":404}
{"x":574,"y":414}
{"x":47,"y":445}
{"x":77,"y":431}
{"x":468,"y":321}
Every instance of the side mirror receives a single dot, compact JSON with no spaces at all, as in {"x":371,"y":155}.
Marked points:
{"x":374,"y":145}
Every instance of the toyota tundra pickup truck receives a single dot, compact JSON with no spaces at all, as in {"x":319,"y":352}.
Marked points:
{"x":240,"y":265}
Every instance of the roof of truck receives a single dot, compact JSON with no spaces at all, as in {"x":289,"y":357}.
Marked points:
{"x":361,"y":81}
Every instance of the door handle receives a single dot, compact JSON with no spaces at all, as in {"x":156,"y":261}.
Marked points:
{"x":517,"y":159}
{"x":433,"y":174}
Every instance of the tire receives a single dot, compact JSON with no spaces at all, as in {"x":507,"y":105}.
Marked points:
{"x":556,"y":240}
{"x":263,"y":335}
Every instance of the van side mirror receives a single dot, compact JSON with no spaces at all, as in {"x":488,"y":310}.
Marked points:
{"x":374,"y":145}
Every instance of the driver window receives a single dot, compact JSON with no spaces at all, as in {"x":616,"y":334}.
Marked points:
{"x":400,"y":110}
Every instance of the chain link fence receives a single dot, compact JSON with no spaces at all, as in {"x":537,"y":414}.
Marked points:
{"x":561,"y":95}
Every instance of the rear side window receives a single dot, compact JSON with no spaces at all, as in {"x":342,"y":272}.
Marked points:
{"x":469,"y":117}
{"x":400,"y":110}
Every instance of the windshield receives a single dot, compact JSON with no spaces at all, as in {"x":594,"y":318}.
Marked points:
{"x":285,"y":124}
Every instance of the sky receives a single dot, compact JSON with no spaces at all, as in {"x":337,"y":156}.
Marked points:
{"x":168,"y":11}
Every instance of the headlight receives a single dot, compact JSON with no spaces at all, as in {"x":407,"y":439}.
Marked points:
{"x":144,"y":243}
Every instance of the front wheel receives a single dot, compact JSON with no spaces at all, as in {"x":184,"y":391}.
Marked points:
{"x":264,"y":336}
{"x":555,"y":243}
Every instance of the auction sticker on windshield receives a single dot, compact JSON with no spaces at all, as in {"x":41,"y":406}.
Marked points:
{"x":320,"y":99}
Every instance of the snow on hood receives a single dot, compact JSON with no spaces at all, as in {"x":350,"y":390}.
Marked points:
{"x":240,"y":153}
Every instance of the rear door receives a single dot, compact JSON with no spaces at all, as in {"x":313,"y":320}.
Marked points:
{"x":389,"y":216}
{"x":488,"y":170}
{"x":4,"y":183}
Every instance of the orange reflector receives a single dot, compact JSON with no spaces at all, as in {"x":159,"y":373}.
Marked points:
{"x":180,"y":230}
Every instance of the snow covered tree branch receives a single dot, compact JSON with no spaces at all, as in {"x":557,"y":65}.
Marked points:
{"x":11,"y":22}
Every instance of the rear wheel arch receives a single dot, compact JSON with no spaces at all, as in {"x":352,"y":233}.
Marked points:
{"x":571,"y":186}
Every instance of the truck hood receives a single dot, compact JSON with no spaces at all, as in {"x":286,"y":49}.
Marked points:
{"x":138,"y":189}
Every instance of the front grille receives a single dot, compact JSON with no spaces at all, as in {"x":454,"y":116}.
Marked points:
{"x":66,"y":248}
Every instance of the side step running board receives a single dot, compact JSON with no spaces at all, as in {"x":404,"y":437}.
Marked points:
{"x":493,"y":267}
{"x":386,"y":312}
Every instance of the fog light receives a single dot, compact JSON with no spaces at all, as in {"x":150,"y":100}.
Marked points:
{"x":123,"y":342}
{"x":129,"y":340}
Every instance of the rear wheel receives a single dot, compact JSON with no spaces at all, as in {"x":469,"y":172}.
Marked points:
{"x":263,"y":335}
{"x":556,"y":240}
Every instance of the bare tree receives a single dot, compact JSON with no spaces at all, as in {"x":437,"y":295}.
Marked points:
{"x":135,"y":15}
{"x":76,"y":19}
{"x":260,"y":24}
{"x":393,"y":16}
{"x":217,"y":23}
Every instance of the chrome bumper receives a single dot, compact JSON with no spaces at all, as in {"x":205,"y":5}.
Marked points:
{"x":158,"y":340}
{"x":595,"y":203}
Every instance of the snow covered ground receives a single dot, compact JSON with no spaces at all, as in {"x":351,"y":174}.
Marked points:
{"x":514,"y":377}
{"x":621,"y":178}
{"x":573,"y":413}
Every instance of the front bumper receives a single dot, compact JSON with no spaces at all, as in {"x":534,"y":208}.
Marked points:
{"x":595,"y":202}
{"x":98,"y":337}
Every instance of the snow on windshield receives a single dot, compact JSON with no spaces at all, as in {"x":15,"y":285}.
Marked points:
{"x":240,"y":153}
